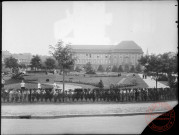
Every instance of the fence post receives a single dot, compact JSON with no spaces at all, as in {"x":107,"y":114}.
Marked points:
{"x":30,"y":95}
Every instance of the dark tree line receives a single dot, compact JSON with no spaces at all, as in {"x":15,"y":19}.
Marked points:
{"x":161,"y":64}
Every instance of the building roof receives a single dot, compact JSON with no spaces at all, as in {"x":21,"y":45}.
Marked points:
{"x":91,"y":47}
{"x":127,"y":45}
{"x":124,"y":46}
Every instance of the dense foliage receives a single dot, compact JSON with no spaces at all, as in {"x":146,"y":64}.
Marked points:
{"x":132,"y":69}
{"x":35,"y":62}
{"x":89,"y":69}
{"x":161,"y":64}
{"x":11,"y":62}
{"x":114,"y":69}
{"x":100,"y":68}
{"x":50,"y":63}
{"x":63,"y":54}
{"x":120,"y":69}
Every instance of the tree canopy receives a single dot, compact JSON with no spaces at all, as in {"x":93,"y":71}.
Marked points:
{"x":100,"y":68}
{"x":11,"y":62}
{"x":132,"y":69}
{"x":89,"y":69}
{"x":100,"y":84}
{"x":120,"y":69}
{"x":35,"y":62}
{"x":138,"y":68}
{"x":108,"y":69}
{"x":77,"y":69}
{"x":126,"y":68}
{"x":114,"y":69}
{"x":50,"y":63}
{"x":162,"y":63}
{"x":63,"y":54}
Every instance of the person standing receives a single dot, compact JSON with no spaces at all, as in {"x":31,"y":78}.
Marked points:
{"x":22,"y":86}
{"x":2,"y":83}
{"x":39,"y":86}
{"x":54,"y":86}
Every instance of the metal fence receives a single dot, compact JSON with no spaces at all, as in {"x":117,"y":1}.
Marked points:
{"x":89,"y":95}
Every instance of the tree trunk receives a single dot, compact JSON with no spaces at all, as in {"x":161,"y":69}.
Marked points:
{"x":63,"y":84}
{"x":156,"y":79}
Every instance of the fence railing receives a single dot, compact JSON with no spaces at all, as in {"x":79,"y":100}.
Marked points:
{"x":90,"y":95}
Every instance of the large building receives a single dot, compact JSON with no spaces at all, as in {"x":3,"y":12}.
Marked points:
{"x":125,"y":54}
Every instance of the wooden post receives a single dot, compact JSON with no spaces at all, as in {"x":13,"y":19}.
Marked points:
{"x":63,"y":84}
{"x":30,"y":95}
{"x":156,"y":80}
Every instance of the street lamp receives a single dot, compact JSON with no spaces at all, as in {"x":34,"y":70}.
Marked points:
{"x":156,"y":78}
{"x":145,"y":69}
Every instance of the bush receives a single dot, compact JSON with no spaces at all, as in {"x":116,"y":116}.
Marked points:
{"x":77,"y":69}
{"x":32,"y":71}
{"x":120,"y":69}
{"x":18,"y":76}
{"x":91,"y":72}
{"x":163,"y":78}
{"x":100,"y":84}
{"x":132,"y":69}
{"x":134,"y":81}
{"x":100,"y":68}
{"x":114,"y":69}
{"x":172,"y":81}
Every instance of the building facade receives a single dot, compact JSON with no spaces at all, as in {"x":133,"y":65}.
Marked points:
{"x":125,"y":53}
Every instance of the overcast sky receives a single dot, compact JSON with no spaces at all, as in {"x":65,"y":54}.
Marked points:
{"x":33,"y":26}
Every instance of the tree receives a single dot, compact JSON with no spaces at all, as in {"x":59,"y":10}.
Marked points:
{"x":100,"y":84}
{"x":120,"y":69}
{"x":50,"y":63}
{"x":89,"y":69}
{"x":108,"y":69}
{"x":126,"y":68}
{"x":35,"y":62}
{"x":63,"y":54}
{"x":11,"y":63}
{"x":138,"y":68}
{"x":77,"y":69}
{"x":114,"y":69}
{"x":169,"y":63}
{"x":22,"y":65}
{"x":155,"y":64}
{"x":162,"y":63}
{"x":132,"y":69}
{"x":169,"y":66}
{"x":100,"y":68}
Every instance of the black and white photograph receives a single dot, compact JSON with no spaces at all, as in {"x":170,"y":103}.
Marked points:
{"x":89,"y":67}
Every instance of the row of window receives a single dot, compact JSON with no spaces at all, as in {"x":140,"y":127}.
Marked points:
{"x":93,"y":61}
{"x":103,"y":61}
{"x":107,"y":56}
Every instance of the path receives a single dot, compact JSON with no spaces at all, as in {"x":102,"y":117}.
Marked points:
{"x":121,"y":81}
{"x":152,"y":83}
{"x":67,"y":86}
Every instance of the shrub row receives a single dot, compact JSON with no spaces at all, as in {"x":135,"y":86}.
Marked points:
{"x":32,"y":71}
{"x":79,"y":82}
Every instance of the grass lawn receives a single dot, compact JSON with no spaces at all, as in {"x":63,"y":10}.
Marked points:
{"x":80,"y":78}
{"x":32,"y":80}
{"x":164,"y":82}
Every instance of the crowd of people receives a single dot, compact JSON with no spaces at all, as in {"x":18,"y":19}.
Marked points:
{"x":113,"y":94}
